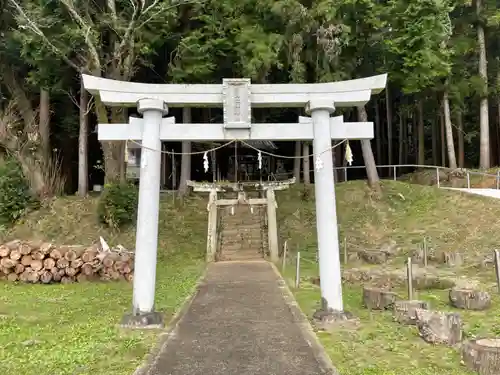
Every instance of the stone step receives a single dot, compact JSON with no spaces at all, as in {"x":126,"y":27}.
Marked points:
{"x":244,"y":255}
{"x":241,"y":244}
{"x":241,"y":233}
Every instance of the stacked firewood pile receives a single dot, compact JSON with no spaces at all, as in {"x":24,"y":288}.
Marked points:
{"x":40,"y":262}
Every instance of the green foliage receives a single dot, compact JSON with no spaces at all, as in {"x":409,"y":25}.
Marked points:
{"x":118,"y":205}
{"x":15,"y":194}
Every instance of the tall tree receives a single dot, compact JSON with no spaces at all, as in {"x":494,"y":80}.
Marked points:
{"x":108,"y":39}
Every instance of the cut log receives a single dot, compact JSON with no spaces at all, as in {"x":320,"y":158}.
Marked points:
{"x":70,"y":271}
{"x":77,"y":263}
{"x":38,"y":255}
{"x":89,"y":255}
{"x":15,"y":254}
{"x":46,"y":248}
{"x":34,"y":276}
{"x":62,"y":263}
{"x":67,"y":280}
{"x":404,"y":311}
{"x":49,"y":263}
{"x":58,"y":253}
{"x":74,"y":253}
{"x":26,"y":260}
{"x":12,"y":277}
{"x":12,"y":244}
{"x":24,"y":248}
{"x":469,"y":299}
{"x":129,"y":277}
{"x":56,"y":277}
{"x":6,"y":270}
{"x":24,"y":276}
{"x":46,"y":277}
{"x":19,"y":268}
{"x":482,"y":355}
{"x":4,"y":251}
{"x":125,"y":257}
{"x":110,"y":259}
{"x":127,"y":267}
{"x":8,"y":263}
{"x":87,"y":269}
{"x":439,"y":327}
{"x":34,"y":245}
{"x":36,"y":265}
{"x":378,"y":299}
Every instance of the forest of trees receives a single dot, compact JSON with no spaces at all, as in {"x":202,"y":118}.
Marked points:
{"x":441,"y":106}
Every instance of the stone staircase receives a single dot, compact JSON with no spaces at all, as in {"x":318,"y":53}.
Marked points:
{"x":242,"y":235}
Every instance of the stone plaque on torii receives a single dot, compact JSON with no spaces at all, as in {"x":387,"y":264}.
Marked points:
{"x":237,"y":97}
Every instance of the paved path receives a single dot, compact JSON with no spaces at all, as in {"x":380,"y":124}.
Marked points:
{"x":241,"y":322}
{"x":492,"y":193}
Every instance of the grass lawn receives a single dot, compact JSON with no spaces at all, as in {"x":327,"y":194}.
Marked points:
{"x":73,"y":329}
{"x":377,"y":345}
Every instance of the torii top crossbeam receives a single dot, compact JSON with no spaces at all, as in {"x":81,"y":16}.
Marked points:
{"x":350,"y":93}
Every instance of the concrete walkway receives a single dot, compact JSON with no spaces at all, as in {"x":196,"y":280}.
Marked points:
{"x":492,"y":193}
{"x":241,"y":322}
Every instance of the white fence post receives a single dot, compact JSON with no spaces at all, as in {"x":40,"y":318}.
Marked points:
{"x":437,"y":177}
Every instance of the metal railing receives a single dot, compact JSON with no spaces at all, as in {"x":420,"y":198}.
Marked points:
{"x":393,"y":172}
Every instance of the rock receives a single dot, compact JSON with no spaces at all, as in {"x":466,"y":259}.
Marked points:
{"x":429,"y":282}
{"x":378,"y":299}
{"x":372,"y":257}
{"x":452,"y":259}
{"x":315,"y":280}
{"x":438,"y":327}
{"x":482,"y":355}
{"x":404,"y":311}
{"x":469,"y":299}
{"x":390,"y":248}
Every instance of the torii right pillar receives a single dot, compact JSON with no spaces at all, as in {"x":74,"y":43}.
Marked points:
{"x":326,"y":213}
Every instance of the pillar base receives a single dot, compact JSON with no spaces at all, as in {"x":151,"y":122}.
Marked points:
{"x":152,"y":320}
{"x":328,"y":319}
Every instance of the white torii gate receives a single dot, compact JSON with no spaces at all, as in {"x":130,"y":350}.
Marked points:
{"x":237,"y":97}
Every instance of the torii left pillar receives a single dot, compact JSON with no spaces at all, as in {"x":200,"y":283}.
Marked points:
{"x":143,"y":314}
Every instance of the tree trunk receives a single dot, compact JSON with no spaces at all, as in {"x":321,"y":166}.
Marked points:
{"x":44,"y":125}
{"x":110,"y":150}
{"x":378,"y":129}
{"x":389,"y":125}
{"x":366,"y":147}
{"x":435,"y":137}
{"x":186,"y":157}
{"x":461,"y":151}
{"x":401,"y":137}
{"x":442,"y":138}
{"x":449,"y":131}
{"x":484,"y":154}
{"x":83,"y":168}
{"x":296,"y":162}
{"x":306,"y":163}
{"x":421,"y":133}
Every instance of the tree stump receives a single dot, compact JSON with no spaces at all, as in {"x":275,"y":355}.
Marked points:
{"x":404,"y":311}
{"x":452,"y":259}
{"x":482,"y":355}
{"x":378,"y":299}
{"x":372,"y":257}
{"x":438,"y":327}
{"x":469,"y":299}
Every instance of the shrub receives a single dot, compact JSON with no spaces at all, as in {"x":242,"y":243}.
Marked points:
{"x":118,"y":205}
{"x":15,"y":194}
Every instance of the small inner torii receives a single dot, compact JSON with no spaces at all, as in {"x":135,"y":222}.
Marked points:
{"x":237,"y":97}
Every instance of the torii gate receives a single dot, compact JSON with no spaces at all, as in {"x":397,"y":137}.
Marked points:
{"x":237,"y":97}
